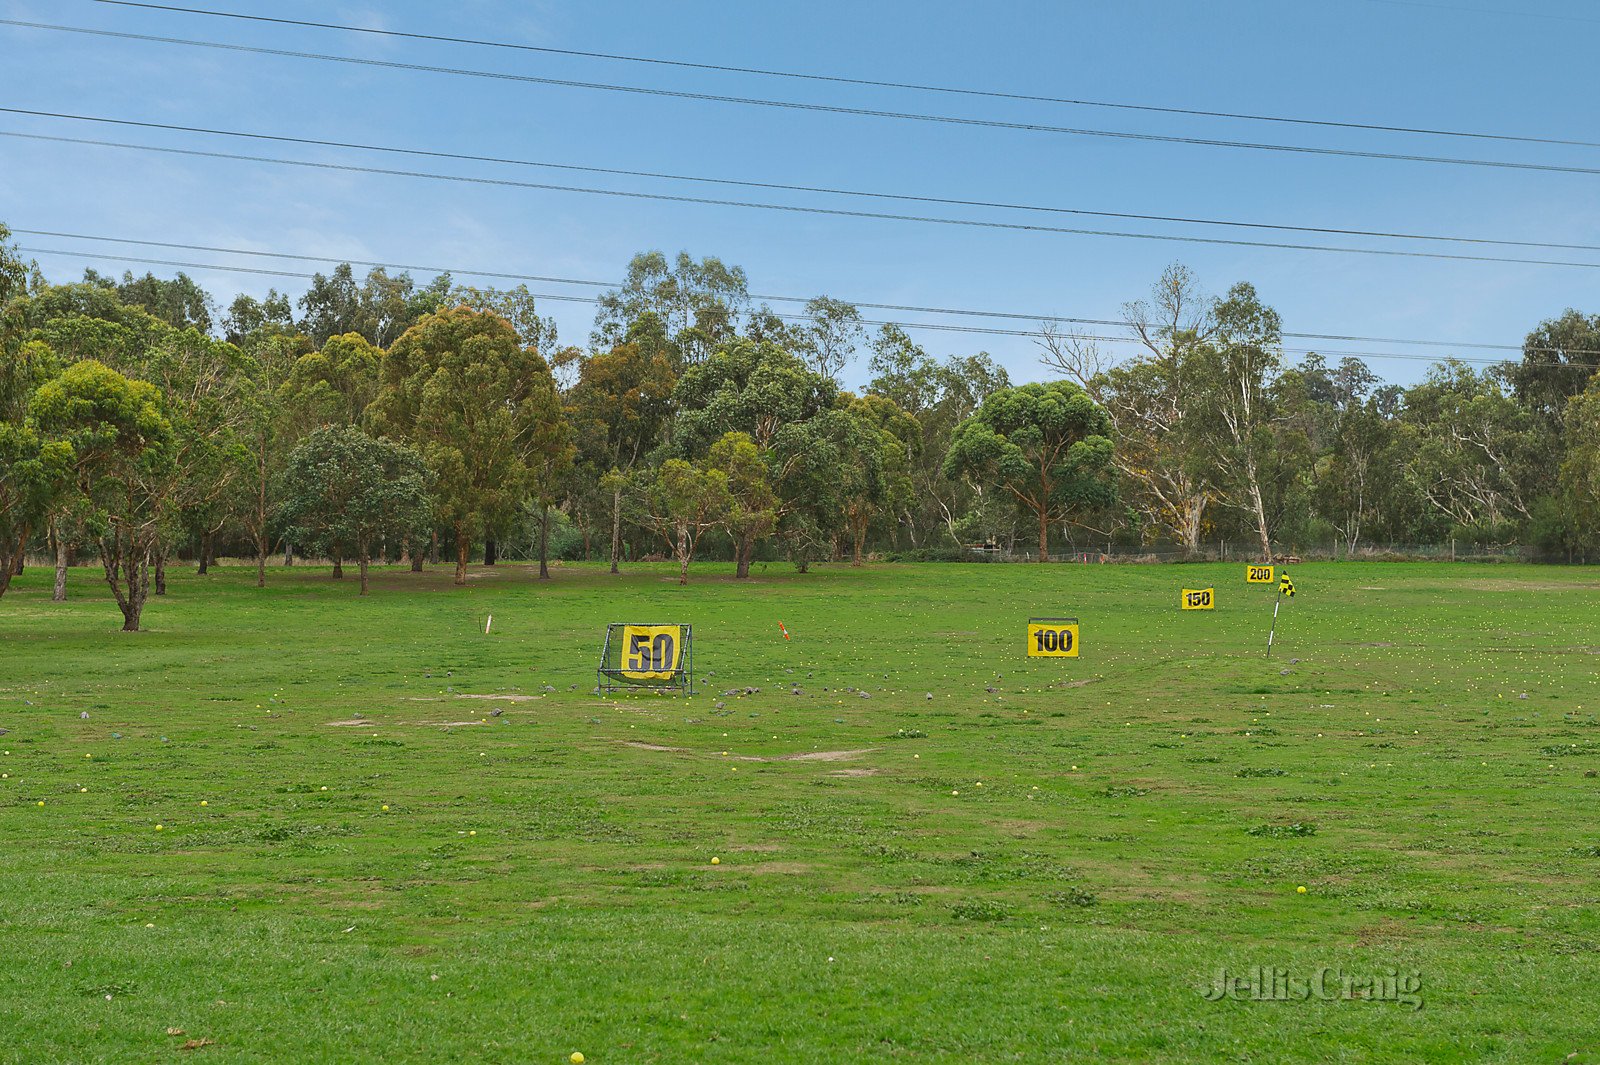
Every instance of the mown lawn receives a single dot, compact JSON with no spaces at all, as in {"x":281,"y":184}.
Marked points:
{"x":1046,"y":861}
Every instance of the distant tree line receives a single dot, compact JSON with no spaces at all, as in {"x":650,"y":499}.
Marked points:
{"x":380,"y":420}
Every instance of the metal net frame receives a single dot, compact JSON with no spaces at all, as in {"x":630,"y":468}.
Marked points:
{"x":617,"y":673}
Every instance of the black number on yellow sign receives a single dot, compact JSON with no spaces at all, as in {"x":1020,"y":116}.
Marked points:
{"x":651,"y":656}
{"x":1053,"y":640}
{"x":1258,"y":574}
{"x":1198,"y":600}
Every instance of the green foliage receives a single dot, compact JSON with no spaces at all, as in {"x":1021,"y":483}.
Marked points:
{"x":126,"y":459}
{"x":480,"y":408}
{"x":1047,"y":445}
{"x":345,"y":492}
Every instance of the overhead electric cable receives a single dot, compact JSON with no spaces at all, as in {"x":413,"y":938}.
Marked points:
{"x":741,"y":183}
{"x":838,"y":79}
{"x":547,"y":279}
{"x":939,"y":326}
{"x":796,"y":105}
{"x":799,"y":209}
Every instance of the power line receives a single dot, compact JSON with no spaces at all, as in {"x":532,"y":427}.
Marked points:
{"x":798,"y":209}
{"x":939,"y":326}
{"x":861,"y":193}
{"x":547,"y":279}
{"x":869,"y":82}
{"x":1435,"y":7}
{"x":795,"y":105}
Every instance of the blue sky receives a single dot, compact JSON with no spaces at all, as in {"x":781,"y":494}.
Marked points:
{"x":1451,"y":65}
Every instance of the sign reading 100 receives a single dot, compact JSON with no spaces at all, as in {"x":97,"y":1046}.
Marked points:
{"x":1053,"y":638}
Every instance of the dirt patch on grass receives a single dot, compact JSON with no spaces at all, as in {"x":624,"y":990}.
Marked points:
{"x":1387,"y":932}
{"x":780,"y":867}
{"x":824,"y":756}
{"x":499,"y":698}
{"x":1503,"y":585}
{"x":354,"y":722}
{"x":1079,"y":683}
{"x":855,"y":772}
{"x":448,"y":724}
{"x":809,"y":756}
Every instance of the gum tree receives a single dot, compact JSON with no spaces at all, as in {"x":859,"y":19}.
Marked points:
{"x":124,"y":465}
{"x":1047,"y":445}
{"x":344,"y":489}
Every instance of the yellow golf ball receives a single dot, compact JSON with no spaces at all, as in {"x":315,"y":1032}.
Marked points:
{"x":385,"y":808}
{"x":714,"y":860}
{"x":474,"y":832}
{"x":41,"y":802}
{"x":1301,"y":890}
{"x":204,"y":803}
{"x":159,"y":828}
{"x":576,"y":1059}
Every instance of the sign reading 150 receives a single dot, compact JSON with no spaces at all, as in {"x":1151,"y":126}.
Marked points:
{"x":1199,"y":599}
{"x":647,"y":655}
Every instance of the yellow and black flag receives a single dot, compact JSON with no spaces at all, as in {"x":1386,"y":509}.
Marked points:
{"x":1286,"y":587}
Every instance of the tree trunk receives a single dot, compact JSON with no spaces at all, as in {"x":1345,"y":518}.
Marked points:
{"x":60,"y":595}
{"x":5,"y":568}
{"x":1261,"y":520}
{"x":544,"y":542}
{"x":490,"y":552}
{"x":858,"y":539}
{"x":138,"y":593}
{"x":1044,"y":535}
{"x":363,"y":573}
{"x":416,"y":562}
{"x":261,"y":564}
{"x":338,"y":564}
{"x":1194,"y":509}
{"x":205,"y":554}
{"x":743,"y":548}
{"x":130,"y":600}
{"x":288,"y":553}
{"x":433,"y":549}
{"x":616,"y":526}
{"x":463,"y":549}
{"x":161,"y":572}
{"x":683,"y":554}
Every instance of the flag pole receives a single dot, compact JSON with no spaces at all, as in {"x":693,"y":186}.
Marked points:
{"x":1274,"y":630}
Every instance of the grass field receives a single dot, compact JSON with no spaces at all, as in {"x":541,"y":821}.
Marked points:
{"x":1046,"y":861}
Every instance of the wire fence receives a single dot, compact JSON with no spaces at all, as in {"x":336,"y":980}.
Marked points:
{"x":1246,"y":551}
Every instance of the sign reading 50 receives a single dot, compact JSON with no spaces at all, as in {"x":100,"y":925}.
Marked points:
{"x":1053,"y":638}
{"x":1199,"y":599}
{"x":651,"y":651}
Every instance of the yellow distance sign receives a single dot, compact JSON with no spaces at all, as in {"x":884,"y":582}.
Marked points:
{"x":1258,"y":574}
{"x":651,"y":652}
{"x":1052,"y":637}
{"x":1199,"y":599}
